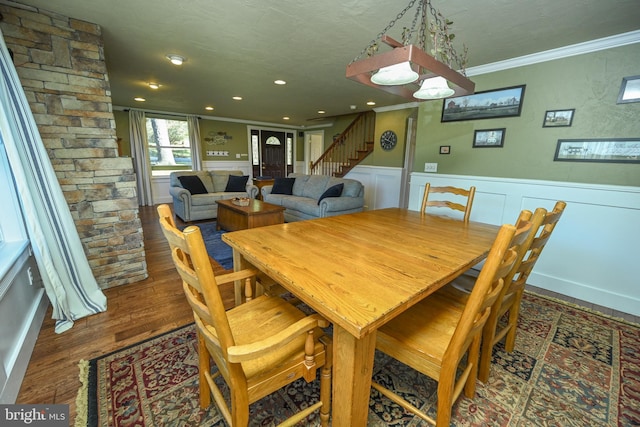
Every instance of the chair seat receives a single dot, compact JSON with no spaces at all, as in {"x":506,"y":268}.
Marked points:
{"x":263,"y":317}
{"x":424,"y":332}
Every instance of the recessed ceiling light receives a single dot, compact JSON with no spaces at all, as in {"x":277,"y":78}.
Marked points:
{"x":237,"y":98}
{"x":321,"y":111}
{"x":154,"y":85}
{"x":139,"y":99}
{"x":208,"y":108}
{"x":371,"y":103}
{"x":285,"y":118}
{"x":280,"y":82}
{"x":176,"y":59}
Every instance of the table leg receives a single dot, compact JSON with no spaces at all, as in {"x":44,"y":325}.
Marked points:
{"x":238,"y":285}
{"x":352,"y":371}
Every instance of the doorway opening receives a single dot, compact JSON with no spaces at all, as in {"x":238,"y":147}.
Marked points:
{"x":313,"y":147}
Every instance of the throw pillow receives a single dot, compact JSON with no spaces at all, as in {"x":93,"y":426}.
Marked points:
{"x":237,"y":183}
{"x":283,"y":186}
{"x":334,"y":191}
{"x":192,"y":184}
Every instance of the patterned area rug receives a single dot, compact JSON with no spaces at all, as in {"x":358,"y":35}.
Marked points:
{"x":571,"y":367}
{"x":216,"y":248}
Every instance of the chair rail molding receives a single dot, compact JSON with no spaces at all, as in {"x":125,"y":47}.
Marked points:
{"x":592,"y":254}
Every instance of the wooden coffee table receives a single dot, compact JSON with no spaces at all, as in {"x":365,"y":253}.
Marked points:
{"x":232,"y":217}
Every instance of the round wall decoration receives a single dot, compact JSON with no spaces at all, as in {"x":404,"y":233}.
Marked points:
{"x":388,"y":140}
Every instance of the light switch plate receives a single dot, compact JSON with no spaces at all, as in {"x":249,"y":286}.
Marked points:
{"x":431,"y":167}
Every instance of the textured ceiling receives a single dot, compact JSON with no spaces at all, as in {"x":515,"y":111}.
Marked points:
{"x":239,"y":47}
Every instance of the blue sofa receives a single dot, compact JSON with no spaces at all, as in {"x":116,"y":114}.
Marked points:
{"x":303,"y":204}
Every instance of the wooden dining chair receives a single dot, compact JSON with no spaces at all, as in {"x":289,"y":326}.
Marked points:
{"x":257,"y":347}
{"x":434,"y":335}
{"x":543,"y":223}
{"x":449,"y":192}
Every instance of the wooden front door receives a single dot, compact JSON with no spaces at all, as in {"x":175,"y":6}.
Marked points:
{"x":275,"y":153}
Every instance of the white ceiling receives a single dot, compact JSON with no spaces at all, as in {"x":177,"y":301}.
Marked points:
{"x":239,"y":47}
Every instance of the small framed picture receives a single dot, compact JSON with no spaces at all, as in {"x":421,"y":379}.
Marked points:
{"x":558,"y":118}
{"x":445,"y":149}
{"x":489,"y":138}
{"x":629,"y":90}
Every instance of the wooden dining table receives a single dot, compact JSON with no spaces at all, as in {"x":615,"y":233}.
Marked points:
{"x":359,"y":271}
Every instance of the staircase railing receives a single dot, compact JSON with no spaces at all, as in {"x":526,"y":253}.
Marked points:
{"x":349,"y":148}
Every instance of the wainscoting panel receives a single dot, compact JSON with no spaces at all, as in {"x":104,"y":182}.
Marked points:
{"x":381,"y":185}
{"x":592,"y":254}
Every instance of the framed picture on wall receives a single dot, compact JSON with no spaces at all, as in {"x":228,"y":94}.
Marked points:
{"x":489,"y":138}
{"x":558,"y":118}
{"x":489,"y":104}
{"x":445,"y":149}
{"x":629,"y":90}
{"x":611,"y":150}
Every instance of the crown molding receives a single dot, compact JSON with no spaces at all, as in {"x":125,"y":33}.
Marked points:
{"x":559,"y":53}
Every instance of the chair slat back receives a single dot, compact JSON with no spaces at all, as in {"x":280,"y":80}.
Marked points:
{"x":192,"y":262}
{"x":501,"y":259}
{"x":544,"y":223}
{"x":466,"y":208}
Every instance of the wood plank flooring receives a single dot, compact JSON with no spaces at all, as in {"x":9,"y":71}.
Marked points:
{"x":134,"y":313}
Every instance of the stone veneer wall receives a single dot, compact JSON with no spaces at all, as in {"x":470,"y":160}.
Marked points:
{"x":62,"y":68}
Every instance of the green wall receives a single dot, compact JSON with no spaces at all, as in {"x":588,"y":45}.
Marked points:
{"x":236,"y":144}
{"x":590,"y":83}
{"x":390,"y":120}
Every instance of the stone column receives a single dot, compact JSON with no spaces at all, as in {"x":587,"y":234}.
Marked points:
{"x":62,"y":68}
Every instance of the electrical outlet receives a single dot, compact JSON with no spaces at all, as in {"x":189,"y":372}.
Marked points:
{"x":431,"y":167}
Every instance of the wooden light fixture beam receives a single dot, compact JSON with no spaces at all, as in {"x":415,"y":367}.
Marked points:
{"x":425,"y":65}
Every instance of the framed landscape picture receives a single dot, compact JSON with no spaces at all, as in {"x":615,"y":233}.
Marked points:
{"x":558,"y":118}
{"x":489,"y":104}
{"x":489,"y":138}
{"x":612,"y":150}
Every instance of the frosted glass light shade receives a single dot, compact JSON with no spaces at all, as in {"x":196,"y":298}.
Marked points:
{"x":397,"y":74}
{"x":434,"y":88}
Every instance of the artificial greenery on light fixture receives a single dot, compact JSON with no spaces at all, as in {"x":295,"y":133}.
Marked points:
{"x":408,"y":64}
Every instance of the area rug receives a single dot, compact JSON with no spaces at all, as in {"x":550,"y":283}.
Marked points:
{"x":571,"y":367}
{"x":216,"y":248}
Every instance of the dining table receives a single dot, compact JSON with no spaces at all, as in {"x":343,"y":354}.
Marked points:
{"x":359,"y":271}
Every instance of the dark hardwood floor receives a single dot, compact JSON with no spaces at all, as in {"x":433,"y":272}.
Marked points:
{"x":134,"y":313}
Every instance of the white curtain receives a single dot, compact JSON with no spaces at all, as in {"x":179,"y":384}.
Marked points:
{"x":194,"y":142}
{"x":140,"y":154}
{"x":68,"y":280}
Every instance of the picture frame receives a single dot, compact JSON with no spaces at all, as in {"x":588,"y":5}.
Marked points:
{"x":558,"y":118}
{"x":485,"y":138}
{"x":602,"y":150}
{"x":629,"y":90}
{"x":445,"y":149}
{"x":490,"y":104}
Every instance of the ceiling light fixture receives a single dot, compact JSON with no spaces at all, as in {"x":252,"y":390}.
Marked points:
{"x":139,"y":99}
{"x":280,"y":82}
{"x":154,"y":85}
{"x":208,"y":108}
{"x":176,"y":59}
{"x":237,"y":98}
{"x":371,"y":103}
{"x":407,"y":64}
{"x":285,"y":118}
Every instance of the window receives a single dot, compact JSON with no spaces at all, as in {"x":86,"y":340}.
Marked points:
{"x":169,"y":147}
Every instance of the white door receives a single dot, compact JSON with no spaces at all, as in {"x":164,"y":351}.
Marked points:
{"x":313,"y":147}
